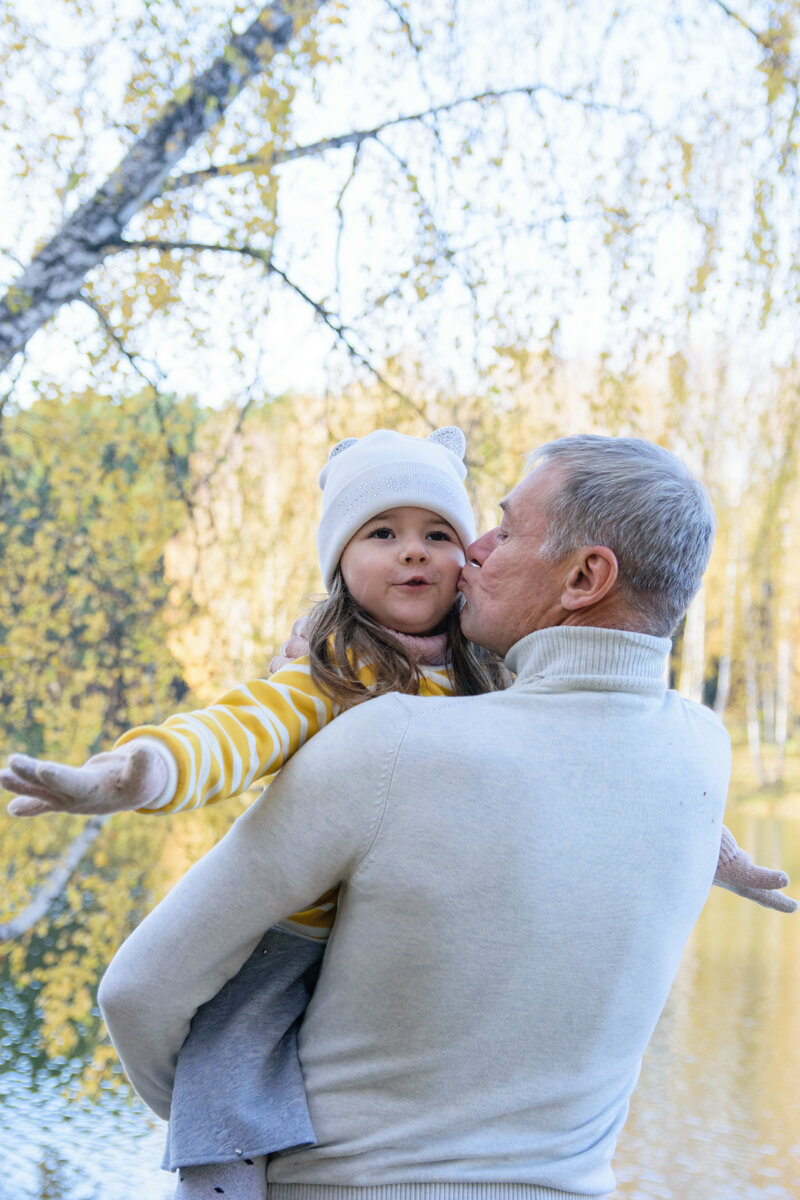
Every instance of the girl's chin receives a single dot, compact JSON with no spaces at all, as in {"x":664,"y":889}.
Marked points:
{"x":418,"y":629}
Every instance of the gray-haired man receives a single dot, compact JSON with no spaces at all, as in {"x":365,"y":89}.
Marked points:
{"x":521,"y":870}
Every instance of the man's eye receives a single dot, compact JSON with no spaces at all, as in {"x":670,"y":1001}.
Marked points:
{"x":501,"y":535}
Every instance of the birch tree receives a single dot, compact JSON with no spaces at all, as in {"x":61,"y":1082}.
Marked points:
{"x":385,"y":185}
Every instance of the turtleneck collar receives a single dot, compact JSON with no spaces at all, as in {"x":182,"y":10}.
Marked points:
{"x":424,"y":651}
{"x":586,"y":658}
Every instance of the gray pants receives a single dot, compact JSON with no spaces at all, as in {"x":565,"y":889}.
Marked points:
{"x":238,"y":1086}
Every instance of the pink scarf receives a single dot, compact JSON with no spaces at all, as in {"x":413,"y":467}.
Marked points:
{"x":424,"y":651}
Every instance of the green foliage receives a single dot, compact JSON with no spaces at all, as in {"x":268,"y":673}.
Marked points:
{"x":87,"y":500}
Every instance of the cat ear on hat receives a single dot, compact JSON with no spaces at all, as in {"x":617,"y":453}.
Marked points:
{"x":340,"y":446}
{"x":449,"y":437}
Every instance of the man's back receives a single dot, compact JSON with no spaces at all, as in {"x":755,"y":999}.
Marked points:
{"x":520,"y":874}
{"x":505,"y":945}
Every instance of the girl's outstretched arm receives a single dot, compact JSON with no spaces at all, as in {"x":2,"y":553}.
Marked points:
{"x":190,"y":760}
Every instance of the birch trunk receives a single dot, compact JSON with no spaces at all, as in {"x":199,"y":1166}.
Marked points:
{"x":783,"y":674}
{"x":55,"y":883}
{"x":694,"y":649}
{"x":783,"y":678}
{"x":728,"y":625}
{"x":54,"y":277}
{"x":753,"y":723}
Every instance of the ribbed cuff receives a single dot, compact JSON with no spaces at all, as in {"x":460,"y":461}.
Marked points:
{"x":424,"y":1191}
{"x":168,"y":791}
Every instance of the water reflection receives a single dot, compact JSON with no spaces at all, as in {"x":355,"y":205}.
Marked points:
{"x":716,"y":1115}
{"x":53,"y":1146}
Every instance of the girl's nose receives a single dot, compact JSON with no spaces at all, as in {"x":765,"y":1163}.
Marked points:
{"x":413,"y":549}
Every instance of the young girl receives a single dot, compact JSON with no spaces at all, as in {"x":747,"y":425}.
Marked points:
{"x":395,"y":523}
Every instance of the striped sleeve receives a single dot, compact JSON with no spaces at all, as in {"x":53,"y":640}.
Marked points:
{"x":250,"y":732}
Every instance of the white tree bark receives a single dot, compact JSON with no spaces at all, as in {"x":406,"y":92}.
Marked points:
{"x":694,"y":649}
{"x":55,"y":275}
{"x":728,"y":625}
{"x":752,"y":704}
{"x":55,"y":883}
{"x":783,"y":678}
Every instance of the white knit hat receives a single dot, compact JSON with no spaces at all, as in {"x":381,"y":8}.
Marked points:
{"x":384,"y":470}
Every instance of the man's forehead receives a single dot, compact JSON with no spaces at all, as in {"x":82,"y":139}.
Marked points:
{"x":531,"y":491}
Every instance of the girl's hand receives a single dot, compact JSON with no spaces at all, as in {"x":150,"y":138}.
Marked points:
{"x":130,"y":777}
{"x":294,"y":647}
{"x":737,"y":872}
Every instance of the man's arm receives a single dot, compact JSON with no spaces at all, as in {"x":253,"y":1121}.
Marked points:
{"x":287,"y":848}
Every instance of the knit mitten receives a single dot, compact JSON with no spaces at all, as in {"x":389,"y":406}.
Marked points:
{"x":242,"y":1180}
{"x":131,"y":777}
{"x":737,"y":872}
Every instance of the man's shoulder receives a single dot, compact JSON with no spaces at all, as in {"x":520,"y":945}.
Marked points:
{"x":381,"y":719}
{"x":399,"y":705}
{"x":700,"y":713}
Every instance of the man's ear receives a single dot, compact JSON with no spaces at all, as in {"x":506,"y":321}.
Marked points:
{"x":590,"y":578}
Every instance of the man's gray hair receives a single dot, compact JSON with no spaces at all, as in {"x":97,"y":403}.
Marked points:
{"x":643,"y":503}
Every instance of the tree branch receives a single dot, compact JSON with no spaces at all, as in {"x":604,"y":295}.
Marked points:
{"x":762,"y":40}
{"x":263,"y":256}
{"x":133,"y":359}
{"x":55,"y":883}
{"x":55,"y":275}
{"x":357,"y":136}
{"x":772,"y":45}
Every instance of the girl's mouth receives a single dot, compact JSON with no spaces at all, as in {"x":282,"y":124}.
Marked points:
{"x":413,"y":583}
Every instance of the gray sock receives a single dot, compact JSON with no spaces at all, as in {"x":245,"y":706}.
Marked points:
{"x":245,"y":1179}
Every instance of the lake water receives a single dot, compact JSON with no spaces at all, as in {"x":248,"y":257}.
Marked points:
{"x":716,"y":1115}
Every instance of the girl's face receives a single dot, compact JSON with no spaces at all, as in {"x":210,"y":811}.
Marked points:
{"x":403,"y":567}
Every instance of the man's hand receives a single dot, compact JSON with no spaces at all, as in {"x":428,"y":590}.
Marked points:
{"x":130,"y":777}
{"x":737,"y":872}
{"x":295,"y":646}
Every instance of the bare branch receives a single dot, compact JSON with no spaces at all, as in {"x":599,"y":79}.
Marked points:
{"x":762,"y":40}
{"x":772,"y":45}
{"x":55,"y":275}
{"x":357,"y":136}
{"x":340,"y":219}
{"x":341,"y":332}
{"x":55,"y":883}
{"x":133,"y":359}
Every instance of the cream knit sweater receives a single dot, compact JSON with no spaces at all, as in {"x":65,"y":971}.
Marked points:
{"x":520,"y":874}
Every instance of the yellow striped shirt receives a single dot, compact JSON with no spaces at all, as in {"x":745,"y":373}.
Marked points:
{"x":250,"y":733}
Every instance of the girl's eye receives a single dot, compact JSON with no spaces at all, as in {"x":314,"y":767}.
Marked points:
{"x":383,"y":532}
{"x":439,"y":535}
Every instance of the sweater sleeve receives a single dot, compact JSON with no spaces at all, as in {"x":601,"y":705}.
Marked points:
{"x":283,"y":849}
{"x":251,"y":731}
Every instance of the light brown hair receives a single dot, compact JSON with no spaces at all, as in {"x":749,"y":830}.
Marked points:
{"x":343,"y":636}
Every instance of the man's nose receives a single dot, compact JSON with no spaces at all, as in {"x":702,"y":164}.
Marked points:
{"x":480,"y":549}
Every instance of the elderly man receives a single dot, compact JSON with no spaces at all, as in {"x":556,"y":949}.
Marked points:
{"x":521,"y":870}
